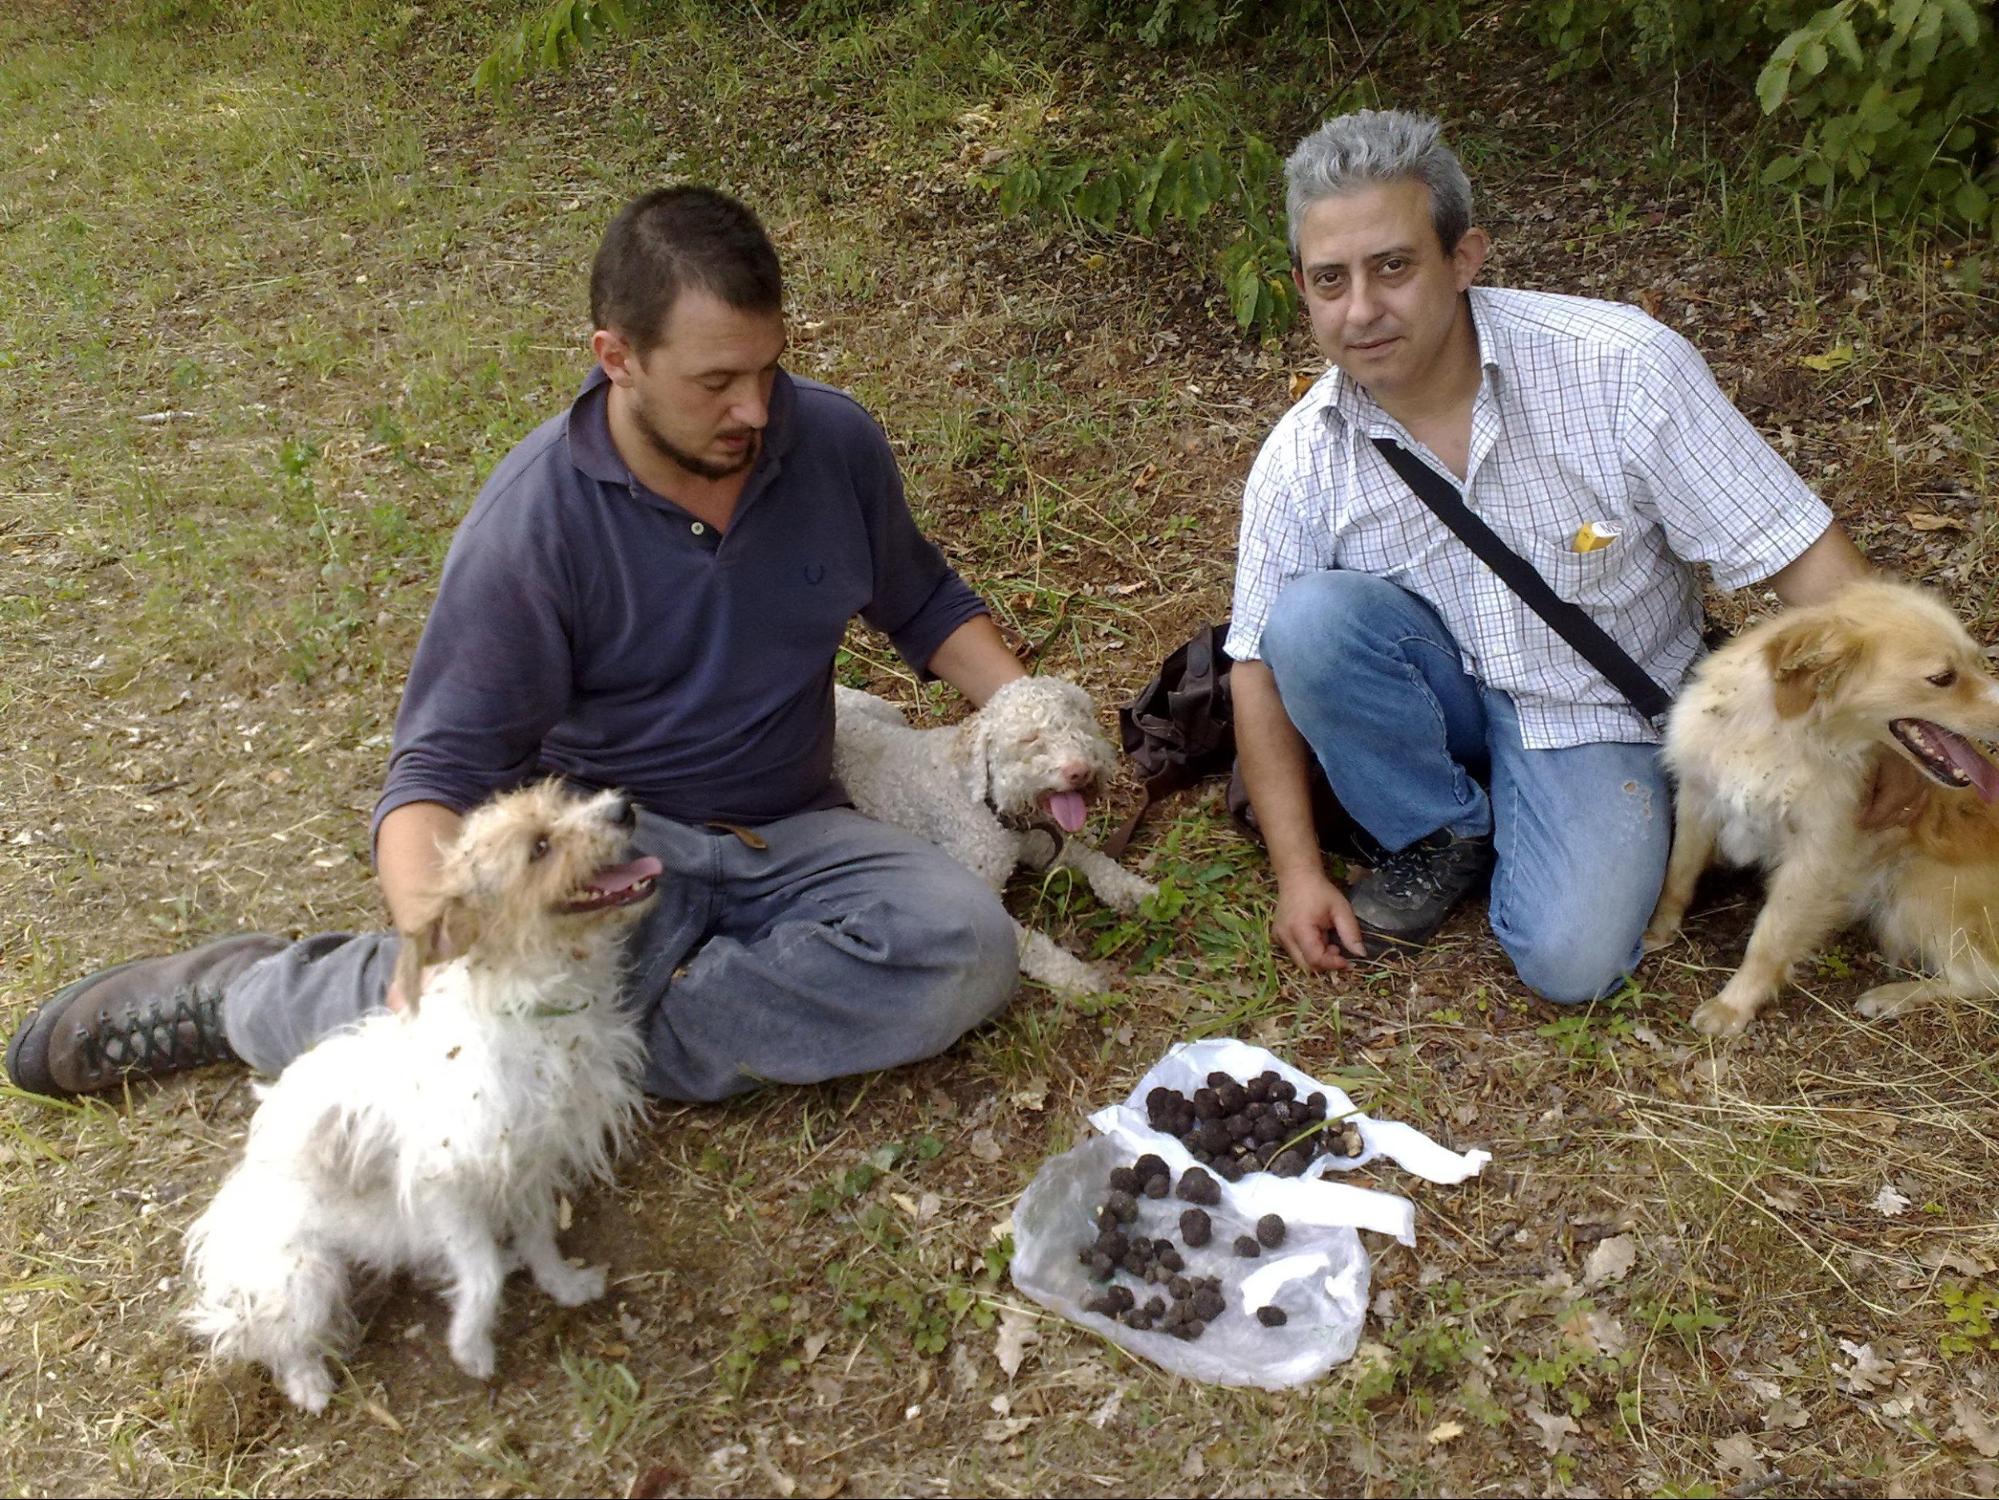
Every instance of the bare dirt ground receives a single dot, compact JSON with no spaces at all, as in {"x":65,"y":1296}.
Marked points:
{"x":279,"y":295}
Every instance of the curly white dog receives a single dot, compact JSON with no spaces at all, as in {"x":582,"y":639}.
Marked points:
{"x":437,"y":1139}
{"x":990,"y":791}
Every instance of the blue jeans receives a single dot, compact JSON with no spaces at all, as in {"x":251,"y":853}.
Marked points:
{"x":842,"y":946}
{"x":1412,"y":744}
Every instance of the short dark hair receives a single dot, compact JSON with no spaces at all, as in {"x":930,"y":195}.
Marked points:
{"x":672,"y":239}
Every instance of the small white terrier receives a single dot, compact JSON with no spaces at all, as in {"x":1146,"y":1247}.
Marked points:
{"x":437,"y":1139}
{"x":992,"y":792}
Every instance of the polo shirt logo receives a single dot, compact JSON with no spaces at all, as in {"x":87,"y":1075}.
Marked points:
{"x":815,"y":573}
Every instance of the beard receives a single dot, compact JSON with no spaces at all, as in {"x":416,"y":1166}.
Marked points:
{"x":701,"y":468}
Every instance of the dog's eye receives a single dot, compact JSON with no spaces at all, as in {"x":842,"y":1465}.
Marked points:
{"x":540,"y":848}
{"x":1944,"y":678}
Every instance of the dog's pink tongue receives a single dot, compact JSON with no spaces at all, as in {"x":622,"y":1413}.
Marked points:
{"x":1984,"y":775}
{"x":608,"y":882}
{"x":1068,"y":811}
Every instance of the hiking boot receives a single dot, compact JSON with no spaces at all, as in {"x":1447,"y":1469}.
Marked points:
{"x":1410,"y":892}
{"x":148,"y":1017}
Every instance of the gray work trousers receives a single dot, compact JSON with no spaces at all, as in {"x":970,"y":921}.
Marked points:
{"x":842,"y":946}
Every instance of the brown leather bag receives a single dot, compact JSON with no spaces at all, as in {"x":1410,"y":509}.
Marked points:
{"x":1180,"y":729}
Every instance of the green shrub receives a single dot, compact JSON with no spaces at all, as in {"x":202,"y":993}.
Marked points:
{"x":1891,"y":106}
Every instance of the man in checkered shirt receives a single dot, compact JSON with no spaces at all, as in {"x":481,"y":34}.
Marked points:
{"x":1455,"y":726}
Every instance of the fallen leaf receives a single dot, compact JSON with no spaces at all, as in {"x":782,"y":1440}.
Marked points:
{"x":1929,"y":520}
{"x":1443,"y":1432}
{"x":1974,"y":1426}
{"x":1611,"y":1260}
{"x":1784,"y":1412}
{"x":1369,"y":1358}
{"x":1740,"y":1455}
{"x":1832,"y":359}
{"x":656,"y":1483}
{"x":1889,"y":1202}
{"x":1016,"y":1331}
{"x":1300,"y":383}
{"x":1553,"y":1428}
{"x":1944,"y":1258}
{"x":1868,"y":1372}
{"x":1783,"y":1199}
{"x":1103,"y":1415}
{"x":1193,"y":1466}
{"x":382,"y":1415}
{"x":1769,"y":1390}
{"x":983,"y":1146}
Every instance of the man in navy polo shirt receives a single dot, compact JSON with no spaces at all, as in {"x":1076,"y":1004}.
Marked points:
{"x":648,"y":594}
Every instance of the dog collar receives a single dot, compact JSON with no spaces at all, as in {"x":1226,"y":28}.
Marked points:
{"x":1016,"y":823}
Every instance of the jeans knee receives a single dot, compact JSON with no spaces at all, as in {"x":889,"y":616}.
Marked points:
{"x":976,"y":961}
{"x":1317,"y":611}
{"x":1569,"y":971}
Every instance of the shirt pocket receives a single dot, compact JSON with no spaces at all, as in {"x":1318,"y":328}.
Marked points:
{"x":1584,"y":578}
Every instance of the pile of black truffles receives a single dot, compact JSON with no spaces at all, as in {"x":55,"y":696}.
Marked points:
{"x":1262,"y":1125}
{"x":1196,"y":1301}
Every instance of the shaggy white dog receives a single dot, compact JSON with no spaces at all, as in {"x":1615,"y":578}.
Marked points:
{"x":437,"y":1139}
{"x":992,"y":791}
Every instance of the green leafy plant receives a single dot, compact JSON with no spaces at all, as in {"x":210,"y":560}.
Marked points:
{"x":1888,"y":106}
{"x":1971,"y":1308}
{"x":1176,"y":186}
{"x":1899,"y":98}
{"x":552,"y":38}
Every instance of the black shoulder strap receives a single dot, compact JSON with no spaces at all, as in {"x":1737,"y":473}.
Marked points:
{"x":1566,"y":619}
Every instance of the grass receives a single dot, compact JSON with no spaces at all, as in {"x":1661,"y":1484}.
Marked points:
{"x":280,"y":294}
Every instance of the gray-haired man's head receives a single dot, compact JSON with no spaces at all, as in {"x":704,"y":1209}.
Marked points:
{"x":1373,"y":146}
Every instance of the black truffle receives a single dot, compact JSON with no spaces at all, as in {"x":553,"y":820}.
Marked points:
{"x":1271,"y":1317}
{"x":1196,"y":1227}
{"x":1270,"y":1231}
{"x":1247,"y":1247}
{"x":1196,"y":1186}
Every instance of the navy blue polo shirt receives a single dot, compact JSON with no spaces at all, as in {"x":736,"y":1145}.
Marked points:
{"x":588,"y":627}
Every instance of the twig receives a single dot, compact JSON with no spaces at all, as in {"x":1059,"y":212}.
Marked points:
{"x":1750,"y":1487}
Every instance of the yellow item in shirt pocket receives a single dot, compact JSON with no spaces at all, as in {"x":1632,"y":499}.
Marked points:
{"x":1593,"y":536}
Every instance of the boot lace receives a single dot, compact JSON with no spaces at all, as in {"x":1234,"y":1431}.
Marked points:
{"x":182,"y":1031}
{"x":1425,"y":870}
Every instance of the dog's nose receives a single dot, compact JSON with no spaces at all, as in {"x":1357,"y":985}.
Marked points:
{"x":1075,"y":774}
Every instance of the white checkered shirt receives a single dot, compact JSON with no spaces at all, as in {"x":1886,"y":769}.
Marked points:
{"x":1587,"y":411}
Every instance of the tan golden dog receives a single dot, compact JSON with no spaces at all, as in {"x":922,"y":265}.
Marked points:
{"x":1772,"y":746}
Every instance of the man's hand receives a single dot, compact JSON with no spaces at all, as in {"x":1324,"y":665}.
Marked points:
{"x":1310,"y":910}
{"x":1897,"y":794}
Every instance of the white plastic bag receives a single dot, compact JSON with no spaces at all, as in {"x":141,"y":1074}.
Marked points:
{"x":1318,"y":1277}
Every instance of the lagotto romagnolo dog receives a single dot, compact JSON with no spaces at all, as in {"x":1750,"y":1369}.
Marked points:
{"x":1772,"y":746}
{"x":991,"y":791}
{"x":438,"y":1139}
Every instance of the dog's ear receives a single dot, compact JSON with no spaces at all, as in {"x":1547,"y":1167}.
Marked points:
{"x":971,"y":757}
{"x":444,"y":929}
{"x":1807,"y":660}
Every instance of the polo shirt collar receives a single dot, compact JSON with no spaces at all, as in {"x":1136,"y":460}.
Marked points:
{"x":1338,"y":394}
{"x":589,"y":428}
